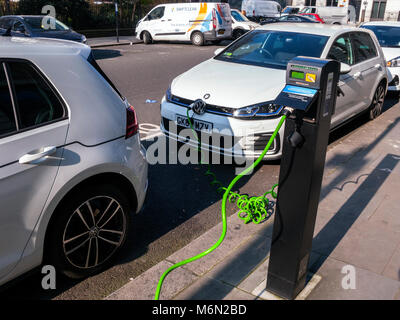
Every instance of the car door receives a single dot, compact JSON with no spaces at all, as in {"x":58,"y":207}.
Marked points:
{"x":157,"y":26}
{"x":349,"y":87}
{"x":369,"y":66}
{"x":33,"y":129}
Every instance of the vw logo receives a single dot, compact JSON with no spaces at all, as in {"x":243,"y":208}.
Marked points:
{"x":198,"y":107}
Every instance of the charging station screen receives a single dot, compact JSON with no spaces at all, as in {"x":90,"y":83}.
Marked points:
{"x":297,"y":75}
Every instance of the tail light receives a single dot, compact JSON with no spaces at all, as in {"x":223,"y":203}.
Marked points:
{"x":214,"y":19}
{"x":132,"y":125}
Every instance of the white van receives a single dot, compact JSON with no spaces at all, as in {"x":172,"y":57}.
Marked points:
{"x":258,"y":9}
{"x":195,"y":22}
{"x":331,"y":15}
{"x":240,"y":24}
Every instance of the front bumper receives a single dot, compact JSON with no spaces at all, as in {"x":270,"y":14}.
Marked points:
{"x":230,"y":137}
{"x":394,"y":79}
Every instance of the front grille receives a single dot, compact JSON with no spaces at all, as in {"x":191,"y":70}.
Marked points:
{"x":209,"y":107}
{"x":259,"y":142}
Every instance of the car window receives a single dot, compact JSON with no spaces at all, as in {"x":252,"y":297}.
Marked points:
{"x":364,"y":47}
{"x":18,"y":27}
{"x":7,"y":119}
{"x":341,"y":50}
{"x":5,"y":23}
{"x":157,"y":13}
{"x":35,"y":100}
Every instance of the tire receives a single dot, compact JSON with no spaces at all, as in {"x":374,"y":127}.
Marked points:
{"x":197,"y":38}
{"x":147,"y":39}
{"x":237,"y":33}
{"x":79,"y":243}
{"x":377,"y":102}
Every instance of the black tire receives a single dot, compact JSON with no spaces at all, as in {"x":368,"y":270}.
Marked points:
{"x":197,"y":38}
{"x":237,"y":33}
{"x":147,"y":39}
{"x":377,"y":102}
{"x":79,"y":243}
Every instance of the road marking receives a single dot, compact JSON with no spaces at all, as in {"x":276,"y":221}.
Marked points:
{"x":149,"y":131}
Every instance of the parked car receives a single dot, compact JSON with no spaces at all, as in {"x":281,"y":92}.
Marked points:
{"x":72,"y":168}
{"x":291,"y":9}
{"x":195,"y":22}
{"x":240,"y":83}
{"x":313,"y":16}
{"x":388,"y":34}
{"x":331,"y":15}
{"x":256,"y":10}
{"x":296,"y":18}
{"x":240,"y":24}
{"x":34,"y":26}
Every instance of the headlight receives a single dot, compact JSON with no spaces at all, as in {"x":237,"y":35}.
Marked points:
{"x":168,"y":94}
{"x":394,"y":62}
{"x":260,"y":110}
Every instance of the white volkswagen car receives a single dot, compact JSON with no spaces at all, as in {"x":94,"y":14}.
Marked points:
{"x":388,"y":34}
{"x":240,"y":83}
{"x":72,"y":168}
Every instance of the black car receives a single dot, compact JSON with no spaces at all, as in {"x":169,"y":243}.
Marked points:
{"x":38,"y":26}
{"x":289,"y":18}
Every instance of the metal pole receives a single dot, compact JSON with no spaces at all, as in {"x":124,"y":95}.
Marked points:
{"x":116,"y":20}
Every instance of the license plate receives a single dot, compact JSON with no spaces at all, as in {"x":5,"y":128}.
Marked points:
{"x":222,"y":31}
{"x":197,"y":124}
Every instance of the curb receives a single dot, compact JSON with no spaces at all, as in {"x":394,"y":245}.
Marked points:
{"x":114,"y":44}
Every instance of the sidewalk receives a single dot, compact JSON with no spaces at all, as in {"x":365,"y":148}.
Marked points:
{"x":358,"y":224}
{"x":111,"y":41}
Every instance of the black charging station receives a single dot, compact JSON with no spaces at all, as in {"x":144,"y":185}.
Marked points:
{"x":311,"y":89}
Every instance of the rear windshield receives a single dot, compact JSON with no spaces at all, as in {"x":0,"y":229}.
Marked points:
{"x":95,"y":65}
{"x":273,"y":49}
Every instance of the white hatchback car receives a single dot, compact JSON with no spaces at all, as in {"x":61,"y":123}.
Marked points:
{"x":72,"y":167}
{"x":239,"y":85}
{"x":388,"y":34}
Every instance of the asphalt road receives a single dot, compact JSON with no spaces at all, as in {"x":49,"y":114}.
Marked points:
{"x":180,"y":205}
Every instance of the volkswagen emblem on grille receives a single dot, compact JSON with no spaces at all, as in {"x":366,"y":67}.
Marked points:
{"x":199,"y":106}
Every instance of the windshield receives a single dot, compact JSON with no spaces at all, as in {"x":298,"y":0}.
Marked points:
{"x":37,"y":24}
{"x":238,"y":16}
{"x":387,"y":36}
{"x":273,"y":49}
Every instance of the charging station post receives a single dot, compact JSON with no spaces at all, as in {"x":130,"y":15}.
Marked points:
{"x":311,"y":90}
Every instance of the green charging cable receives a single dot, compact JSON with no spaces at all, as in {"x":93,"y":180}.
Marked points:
{"x":243,"y":202}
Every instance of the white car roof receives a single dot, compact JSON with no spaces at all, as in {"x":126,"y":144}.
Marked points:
{"x":383,"y":23}
{"x":19,"y":47}
{"x":310,"y":28}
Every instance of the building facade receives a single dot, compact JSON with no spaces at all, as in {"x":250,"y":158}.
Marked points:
{"x":366,"y":10}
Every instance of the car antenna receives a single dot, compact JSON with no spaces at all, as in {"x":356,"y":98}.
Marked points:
{"x":7,"y":33}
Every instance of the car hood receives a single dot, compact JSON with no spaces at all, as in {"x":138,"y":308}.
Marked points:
{"x":229,"y":84}
{"x":391,"y":53}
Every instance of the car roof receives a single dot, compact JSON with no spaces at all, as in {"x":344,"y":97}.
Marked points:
{"x":328,"y":30}
{"x":382,"y":23}
{"x":19,"y":47}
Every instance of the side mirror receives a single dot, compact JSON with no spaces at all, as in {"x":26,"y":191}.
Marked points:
{"x":344,"y":68}
{"x":218,"y":51}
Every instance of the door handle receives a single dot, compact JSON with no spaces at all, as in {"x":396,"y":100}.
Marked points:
{"x":357,"y":75}
{"x":378,"y":67}
{"x":37,"y":154}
